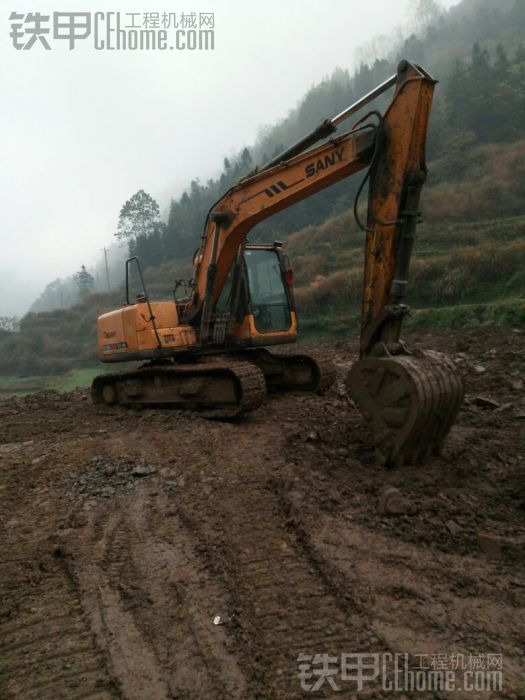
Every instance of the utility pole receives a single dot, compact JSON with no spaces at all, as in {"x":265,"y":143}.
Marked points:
{"x":107,"y":270}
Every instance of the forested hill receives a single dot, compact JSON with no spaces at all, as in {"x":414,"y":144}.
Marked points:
{"x":469,"y":263}
{"x":474,"y":50}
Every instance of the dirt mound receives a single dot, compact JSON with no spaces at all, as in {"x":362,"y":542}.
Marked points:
{"x":156,"y":554}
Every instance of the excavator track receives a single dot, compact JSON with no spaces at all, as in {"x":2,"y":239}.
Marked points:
{"x":291,"y":372}
{"x":215,"y":389}
{"x":410,"y":400}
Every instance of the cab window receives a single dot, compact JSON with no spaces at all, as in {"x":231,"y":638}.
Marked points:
{"x":268,"y":296}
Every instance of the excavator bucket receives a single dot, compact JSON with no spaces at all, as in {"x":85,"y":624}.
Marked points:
{"x":409,"y":397}
{"x":410,"y":402}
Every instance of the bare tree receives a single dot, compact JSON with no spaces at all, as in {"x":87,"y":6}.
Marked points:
{"x":138,"y":217}
{"x":424,"y":12}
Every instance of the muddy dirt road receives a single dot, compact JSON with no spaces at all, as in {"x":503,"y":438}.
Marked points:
{"x":126,"y":536}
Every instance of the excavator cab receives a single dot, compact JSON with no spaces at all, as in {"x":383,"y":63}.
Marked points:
{"x":269,"y":301}
{"x":257,"y":299}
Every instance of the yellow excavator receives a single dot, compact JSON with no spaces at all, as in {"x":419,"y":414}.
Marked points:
{"x":208,"y":351}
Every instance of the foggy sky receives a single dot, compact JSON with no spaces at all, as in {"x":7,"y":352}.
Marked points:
{"x":83,"y":130}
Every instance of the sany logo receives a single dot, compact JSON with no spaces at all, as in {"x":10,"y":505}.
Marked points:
{"x":322,"y":163}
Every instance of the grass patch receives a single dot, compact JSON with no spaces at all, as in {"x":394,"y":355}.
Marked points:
{"x":316,"y":329}
{"x":505,"y":312}
{"x":20,"y":386}
{"x":76,"y":378}
{"x":336,"y":326}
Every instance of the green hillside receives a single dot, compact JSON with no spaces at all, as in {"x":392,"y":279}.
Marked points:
{"x":469,"y":263}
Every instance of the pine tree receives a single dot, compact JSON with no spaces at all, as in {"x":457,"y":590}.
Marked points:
{"x":246,"y":161}
{"x":84,"y":281}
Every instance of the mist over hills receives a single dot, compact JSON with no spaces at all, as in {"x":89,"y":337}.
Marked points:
{"x":471,"y":250}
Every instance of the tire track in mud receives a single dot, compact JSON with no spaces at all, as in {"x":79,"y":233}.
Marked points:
{"x":406,"y":582}
{"x":47,"y":649}
{"x":154,"y":569}
{"x":151,"y":605}
{"x":281,"y":599}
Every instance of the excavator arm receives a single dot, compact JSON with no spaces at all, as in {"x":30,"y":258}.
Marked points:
{"x":409,"y":397}
{"x":397,"y":176}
